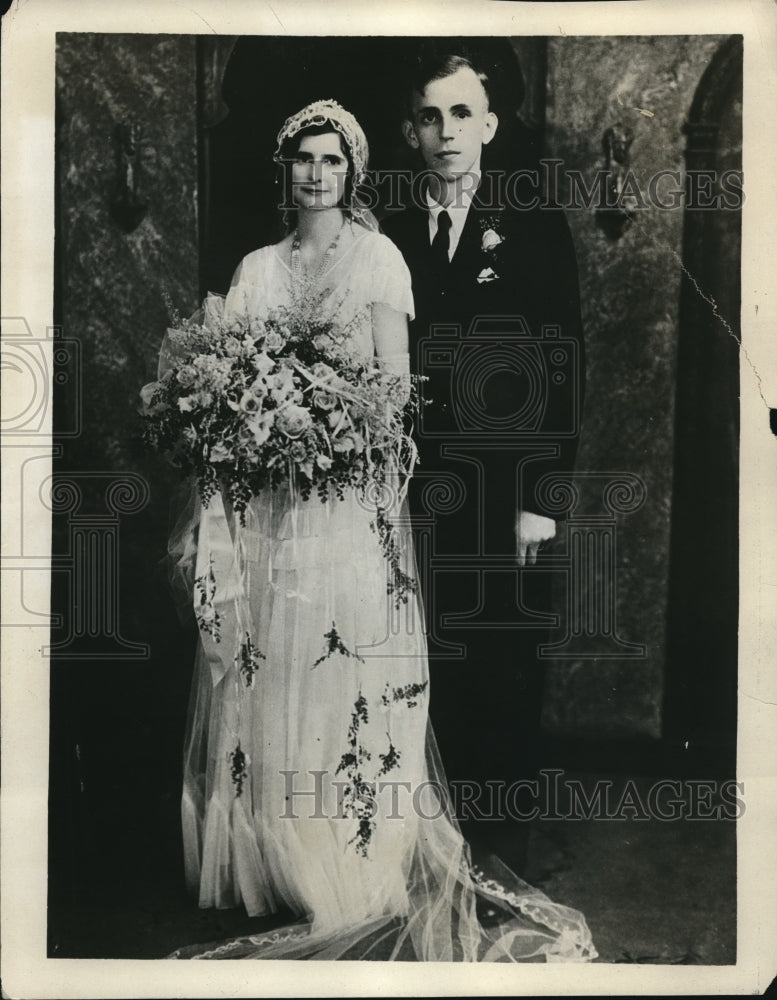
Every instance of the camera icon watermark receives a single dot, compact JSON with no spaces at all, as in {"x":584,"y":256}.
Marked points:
{"x":500,"y":380}
{"x":42,"y":409}
{"x":34,"y":368}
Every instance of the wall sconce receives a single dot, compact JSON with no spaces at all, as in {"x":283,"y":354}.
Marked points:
{"x":619,"y":209}
{"x":127,"y":206}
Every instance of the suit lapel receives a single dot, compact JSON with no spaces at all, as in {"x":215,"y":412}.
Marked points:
{"x":470,"y":233}
{"x":469,"y":259}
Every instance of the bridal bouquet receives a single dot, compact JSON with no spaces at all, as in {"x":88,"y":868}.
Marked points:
{"x":246,"y":404}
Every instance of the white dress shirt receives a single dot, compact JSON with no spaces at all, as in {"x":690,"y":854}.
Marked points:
{"x":457,"y":211}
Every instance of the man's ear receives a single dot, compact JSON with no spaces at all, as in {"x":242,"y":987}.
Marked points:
{"x":490,"y":125}
{"x":409,"y":133}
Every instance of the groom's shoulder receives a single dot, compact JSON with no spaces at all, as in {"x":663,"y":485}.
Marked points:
{"x":395,"y":222}
{"x":400,"y":226}
{"x":542,"y":230}
{"x":540,"y":217}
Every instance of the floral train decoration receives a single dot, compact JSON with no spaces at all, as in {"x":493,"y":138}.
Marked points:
{"x":244,"y":406}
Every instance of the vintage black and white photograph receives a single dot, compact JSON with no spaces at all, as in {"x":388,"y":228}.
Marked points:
{"x":386,"y":444}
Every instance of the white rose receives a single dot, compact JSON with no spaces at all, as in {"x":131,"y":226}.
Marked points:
{"x":324,"y":400}
{"x":263,"y":364}
{"x":273,"y":341}
{"x":186,"y":375}
{"x":293,"y":421}
{"x":491,"y":240}
{"x":232,"y":347}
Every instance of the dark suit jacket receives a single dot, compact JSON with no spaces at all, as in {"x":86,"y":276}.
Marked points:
{"x":504,"y":357}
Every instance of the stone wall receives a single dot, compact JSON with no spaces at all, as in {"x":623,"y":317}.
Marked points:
{"x":116,"y":725}
{"x":631,"y":293}
{"x":111,"y":284}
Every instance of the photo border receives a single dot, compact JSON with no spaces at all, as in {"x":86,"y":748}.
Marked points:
{"x":27,"y":171}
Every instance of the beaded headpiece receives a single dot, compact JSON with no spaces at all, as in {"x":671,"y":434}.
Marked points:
{"x":329,"y":112}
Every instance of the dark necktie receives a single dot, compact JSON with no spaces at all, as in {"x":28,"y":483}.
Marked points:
{"x":441,"y":242}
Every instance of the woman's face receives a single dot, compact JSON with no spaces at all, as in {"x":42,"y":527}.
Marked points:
{"x":319,"y":171}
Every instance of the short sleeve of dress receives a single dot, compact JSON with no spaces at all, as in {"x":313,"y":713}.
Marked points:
{"x":389,"y":278}
{"x":236,"y":300}
{"x":247,"y":292}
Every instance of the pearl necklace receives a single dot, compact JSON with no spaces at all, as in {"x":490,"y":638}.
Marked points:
{"x":296,"y":261}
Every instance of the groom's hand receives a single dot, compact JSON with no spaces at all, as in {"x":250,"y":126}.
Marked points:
{"x":530,"y":531}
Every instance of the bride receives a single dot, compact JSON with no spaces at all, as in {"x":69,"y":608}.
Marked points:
{"x":317,"y":788}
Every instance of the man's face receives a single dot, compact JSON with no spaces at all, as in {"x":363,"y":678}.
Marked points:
{"x":450,"y":123}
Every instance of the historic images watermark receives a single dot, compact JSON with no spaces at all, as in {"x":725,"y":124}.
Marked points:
{"x":32,"y":437}
{"x":551,"y":796}
{"x":553,"y":186}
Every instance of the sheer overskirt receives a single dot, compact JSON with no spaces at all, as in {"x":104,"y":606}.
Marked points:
{"x":290,"y":840}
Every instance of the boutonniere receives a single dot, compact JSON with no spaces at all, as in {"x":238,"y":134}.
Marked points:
{"x":490,"y":242}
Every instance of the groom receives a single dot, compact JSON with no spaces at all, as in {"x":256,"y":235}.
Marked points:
{"x":497,"y":334}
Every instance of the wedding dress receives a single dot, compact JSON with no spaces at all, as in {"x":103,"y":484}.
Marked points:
{"x":330,"y":691}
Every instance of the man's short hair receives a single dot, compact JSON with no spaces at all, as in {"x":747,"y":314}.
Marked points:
{"x":435,"y":64}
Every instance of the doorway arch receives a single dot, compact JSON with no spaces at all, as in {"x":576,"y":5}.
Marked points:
{"x":700,"y":693}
